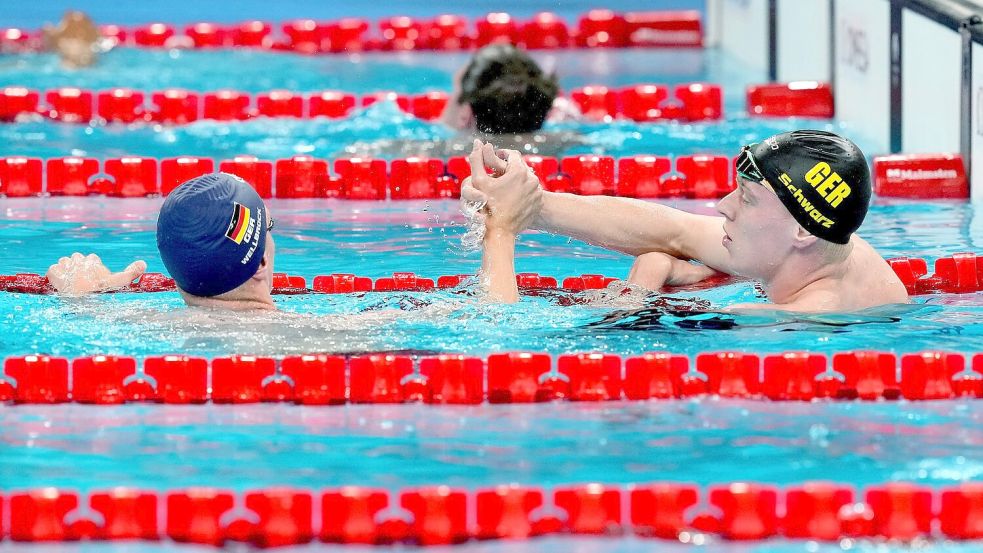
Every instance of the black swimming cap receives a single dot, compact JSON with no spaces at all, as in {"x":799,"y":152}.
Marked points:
{"x":211,"y":233}
{"x":822,"y":178}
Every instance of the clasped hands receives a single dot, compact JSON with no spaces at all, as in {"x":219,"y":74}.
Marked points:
{"x":511,"y":195}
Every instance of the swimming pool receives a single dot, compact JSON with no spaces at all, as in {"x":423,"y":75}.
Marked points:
{"x":704,"y":441}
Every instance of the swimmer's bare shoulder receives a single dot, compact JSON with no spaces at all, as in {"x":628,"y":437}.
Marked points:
{"x":868,"y":282}
{"x":870,"y":279}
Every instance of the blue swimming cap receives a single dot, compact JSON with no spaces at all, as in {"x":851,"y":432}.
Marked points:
{"x":211,"y":233}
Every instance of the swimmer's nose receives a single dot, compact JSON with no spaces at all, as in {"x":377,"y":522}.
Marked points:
{"x":726,"y":204}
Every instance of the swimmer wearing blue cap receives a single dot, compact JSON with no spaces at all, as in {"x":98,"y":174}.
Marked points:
{"x":213,"y":234}
{"x":789,"y":224}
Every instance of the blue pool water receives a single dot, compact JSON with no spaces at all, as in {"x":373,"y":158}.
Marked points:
{"x":703,"y":441}
{"x":376,"y":239}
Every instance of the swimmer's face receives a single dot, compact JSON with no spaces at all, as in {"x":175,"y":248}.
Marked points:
{"x":759,"y":230}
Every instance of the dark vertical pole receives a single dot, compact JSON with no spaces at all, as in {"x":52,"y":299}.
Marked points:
{"x":895,"y":48}
{"x":772,"y":40}
{"x":966,"y":94}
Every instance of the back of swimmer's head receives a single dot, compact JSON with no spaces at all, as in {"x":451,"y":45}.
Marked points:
{"x":507,"y":91}
{"x":822,"y":178}
{"x":212,"y":234}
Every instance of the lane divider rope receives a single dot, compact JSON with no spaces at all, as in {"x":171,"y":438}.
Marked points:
{"x":511,"y":377}
{"x":699,"y":176}
{"x":959,"y":273}
{"x":543,"y":31}
{"x":643,"y":103}
{"x":437,"y":515}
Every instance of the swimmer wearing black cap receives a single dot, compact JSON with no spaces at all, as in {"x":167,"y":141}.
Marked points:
{"x":790,"y":224}
{"x":213,"y":234}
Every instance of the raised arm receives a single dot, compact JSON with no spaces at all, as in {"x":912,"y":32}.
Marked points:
{"x":635,"y":227}
{"x":511,"y":196}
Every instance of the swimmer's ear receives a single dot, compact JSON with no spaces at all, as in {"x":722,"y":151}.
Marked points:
{"x":264,"y":265}
{"x":803,"y":238}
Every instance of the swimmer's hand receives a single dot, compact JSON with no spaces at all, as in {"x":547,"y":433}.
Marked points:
{"x":84,"y":274}
{"x":512,"y":195}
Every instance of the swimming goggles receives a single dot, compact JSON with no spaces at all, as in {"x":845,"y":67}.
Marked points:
{"x":746,"y":167}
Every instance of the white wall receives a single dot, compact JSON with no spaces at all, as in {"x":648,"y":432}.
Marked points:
{"x":863,"y":65}
{"x":931,"y":72}
{"x":803,"y":40}
{"x":976,"y":136}
{"x":743,"y":29}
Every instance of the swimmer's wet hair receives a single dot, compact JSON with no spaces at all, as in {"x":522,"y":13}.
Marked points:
{"x":507,"y":91}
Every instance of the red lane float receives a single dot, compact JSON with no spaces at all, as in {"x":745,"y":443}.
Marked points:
{"x":416,"y":177}
{"x":505,"y":512}
{"x":280,"y":103}
{"x":175,"y":106}
{"x":207,"y":35}
{"x":660,"y":29}
{"x":227,"y":105}
{"x":20,"y":176}
{"x":590,"y":509}
{"x":254,"y":34}
{"x":381,"y":379}
{"x":496,"y":27}
{"x":132,"y":177}
{"x":546,"y":31}
{"x":794,"y":99}
{"x":331,"y":103}
{"x":302,"y":177}
{"x":120,"y":105}
{"x":16,"y":101}
{"x":100,"y":379}
{"x":341,"y":284}
{"x":437,"y":515}
{"x":924,"y":176}
{"x":70,"y":176}
{"x":175,"y":171}
{"x":178,"y":378}
{"x":154,"y":35}
{"x":258,"y":173}
{"x":317,"y":379}
{"x":71,"y":105}
{"x":361,"y":178}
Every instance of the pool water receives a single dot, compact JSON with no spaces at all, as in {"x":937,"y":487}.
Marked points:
{"x":704,"y":441}
{"x":375,"y":239}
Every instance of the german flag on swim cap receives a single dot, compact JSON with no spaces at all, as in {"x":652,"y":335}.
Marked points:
{"x":821,"y":178}
{"x":211,"y":233}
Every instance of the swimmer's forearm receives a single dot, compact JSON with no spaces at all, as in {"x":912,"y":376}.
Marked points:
{"x":498,"y":266}
{"x":630,"y":226}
